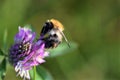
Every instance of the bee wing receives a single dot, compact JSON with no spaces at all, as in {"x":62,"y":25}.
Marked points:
{"x":65,"y":38}
{"x":46,"y":28}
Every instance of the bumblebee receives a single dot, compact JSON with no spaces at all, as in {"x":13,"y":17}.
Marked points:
{"x":52,"y":33}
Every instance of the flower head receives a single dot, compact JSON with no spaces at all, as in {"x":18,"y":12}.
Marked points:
{"x":22,"y":45}
{"x":25,"y":53}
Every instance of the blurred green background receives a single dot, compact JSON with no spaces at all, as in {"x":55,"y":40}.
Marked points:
{"x":93,"y":24}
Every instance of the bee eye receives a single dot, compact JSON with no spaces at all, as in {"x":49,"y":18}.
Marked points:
{"x":55,"y":35}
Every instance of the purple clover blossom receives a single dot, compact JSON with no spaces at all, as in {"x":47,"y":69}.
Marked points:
{"x":25,"y":53}
{"x":22,"y":45}
{"x":25,"y":35}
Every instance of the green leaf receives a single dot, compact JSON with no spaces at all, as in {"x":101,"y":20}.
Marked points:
{"x":3,"y":68}
{"x":37,"y":76}
{"x":44,"y":73}
{"x":62,"y":49}
{"x":5,"y":38}
{"x":1,"y":52}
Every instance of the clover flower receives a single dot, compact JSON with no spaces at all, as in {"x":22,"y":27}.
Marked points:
{"x":25,"y":53}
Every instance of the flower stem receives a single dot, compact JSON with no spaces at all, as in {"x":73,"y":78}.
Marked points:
{"x":34,"y":73}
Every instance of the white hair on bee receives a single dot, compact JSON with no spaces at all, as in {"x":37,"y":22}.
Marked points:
{"x":56,"y":33}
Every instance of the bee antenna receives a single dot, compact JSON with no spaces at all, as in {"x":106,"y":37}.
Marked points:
{"x":65,"y":38}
